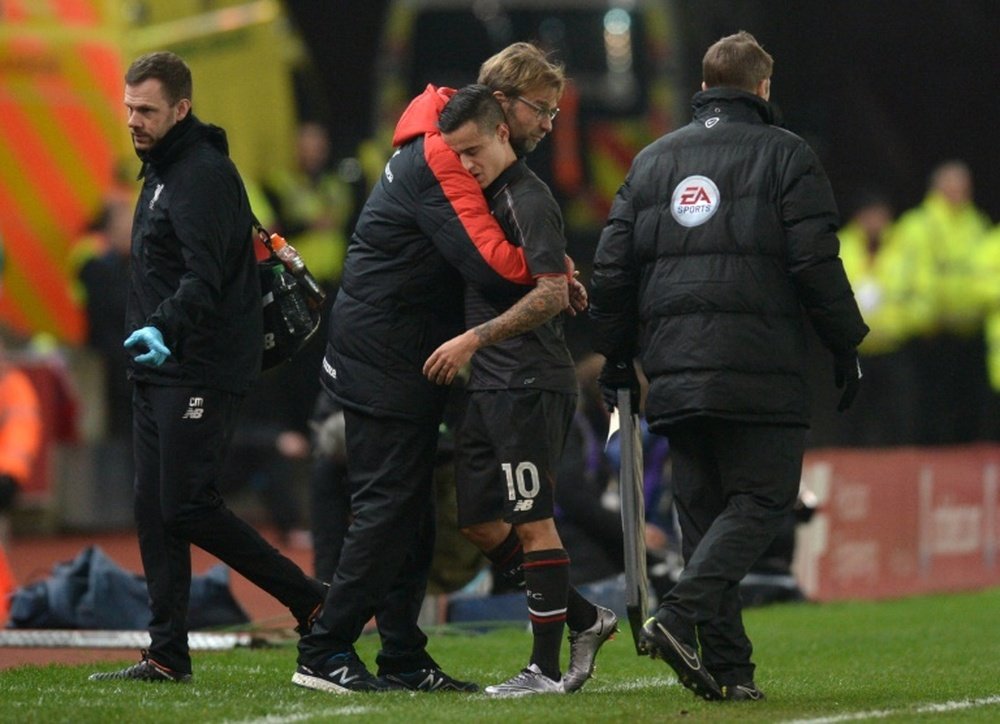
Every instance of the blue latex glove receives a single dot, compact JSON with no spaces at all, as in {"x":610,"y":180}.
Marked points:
{"x":149,"y":337}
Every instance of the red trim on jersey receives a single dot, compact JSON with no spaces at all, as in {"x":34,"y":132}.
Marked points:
{"x":467,"y":199}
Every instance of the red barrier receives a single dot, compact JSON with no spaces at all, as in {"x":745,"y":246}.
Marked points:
{"x":897,"y":522}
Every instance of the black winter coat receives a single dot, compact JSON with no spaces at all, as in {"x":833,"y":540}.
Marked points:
{"x":723,"y":232}
{"x":194,"y":276}
{"x":424,"y":228}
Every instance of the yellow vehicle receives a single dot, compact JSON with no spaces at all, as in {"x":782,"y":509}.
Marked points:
{"x":622,"y":94}
{"x":63,"y":138}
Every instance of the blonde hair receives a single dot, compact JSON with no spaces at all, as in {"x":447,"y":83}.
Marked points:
{"x":736,"y":61}
{"x":521,"y":67}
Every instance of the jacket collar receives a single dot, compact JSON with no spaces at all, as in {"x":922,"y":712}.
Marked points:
{"x":185,"y":134}
{"x":734,"y":104}
{"x":508,"y":176}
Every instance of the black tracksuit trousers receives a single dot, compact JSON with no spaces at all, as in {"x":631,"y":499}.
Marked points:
{"x":386,"y":555}
{"x":734,"y":483}
{"x":181,"y":436}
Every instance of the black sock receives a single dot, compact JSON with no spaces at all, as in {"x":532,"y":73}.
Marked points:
{"x":507,"y":558}
{"x":546,"y":578}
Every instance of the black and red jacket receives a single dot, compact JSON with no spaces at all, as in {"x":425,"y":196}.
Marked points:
{"x":425,"y":226}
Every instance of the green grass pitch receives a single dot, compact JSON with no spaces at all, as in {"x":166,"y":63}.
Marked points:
{"x":918,"y":659}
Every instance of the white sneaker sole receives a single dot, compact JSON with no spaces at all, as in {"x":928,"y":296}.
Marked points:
{"x":318,"y":683}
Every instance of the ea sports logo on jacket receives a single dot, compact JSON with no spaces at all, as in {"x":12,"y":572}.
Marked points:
{"x":694,"y":201}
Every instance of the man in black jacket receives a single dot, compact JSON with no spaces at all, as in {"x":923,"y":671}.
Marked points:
{"x":723,"y":231}
{"x":195,"y":323}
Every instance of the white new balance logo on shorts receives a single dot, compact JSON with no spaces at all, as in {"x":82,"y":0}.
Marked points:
{"x":195,"y":409}
{"x":523,"y":505}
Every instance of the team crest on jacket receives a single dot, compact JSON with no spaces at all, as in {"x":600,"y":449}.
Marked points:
{"x":695,"y":201}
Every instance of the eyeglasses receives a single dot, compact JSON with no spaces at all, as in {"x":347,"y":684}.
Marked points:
{"x":540,"y":111}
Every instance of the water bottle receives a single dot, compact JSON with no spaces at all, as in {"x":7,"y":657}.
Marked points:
{"x":293,"y":307}
{"x":297,"y":266}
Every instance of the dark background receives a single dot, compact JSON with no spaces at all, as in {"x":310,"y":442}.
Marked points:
{"x":882,"y":89}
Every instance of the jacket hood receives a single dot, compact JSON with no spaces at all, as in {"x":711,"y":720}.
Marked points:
{"x":183,"y":135}
{"x":421,"y":116}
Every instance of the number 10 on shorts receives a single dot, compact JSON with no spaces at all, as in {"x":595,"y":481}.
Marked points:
{"x":523,"y":484}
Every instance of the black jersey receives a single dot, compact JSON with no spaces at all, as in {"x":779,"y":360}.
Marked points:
{"x":539,"y":358}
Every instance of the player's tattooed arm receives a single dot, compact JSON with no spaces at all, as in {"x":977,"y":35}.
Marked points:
{"x":549,"y":297}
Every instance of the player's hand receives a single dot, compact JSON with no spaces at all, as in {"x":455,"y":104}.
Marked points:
{"x":847,"y":374}
{"x":577,"y":297}
{"x":447,"y":360}
{"x":149,"y":337}
{"x":577,"y":292}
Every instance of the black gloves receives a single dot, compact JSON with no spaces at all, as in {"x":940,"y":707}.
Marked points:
{"x":8,"y":491}
{"x":847,"y":374}
{"x":619,"y":375}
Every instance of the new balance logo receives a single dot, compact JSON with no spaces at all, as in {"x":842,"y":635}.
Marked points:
{"x":195,"y":409}
{"x":430,"y":683}
{"x":342,"y":676}
{"x":523,"y":505}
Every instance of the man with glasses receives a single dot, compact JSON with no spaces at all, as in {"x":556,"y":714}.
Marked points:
{"x":528,"y":88}
{"x":424,"y":228}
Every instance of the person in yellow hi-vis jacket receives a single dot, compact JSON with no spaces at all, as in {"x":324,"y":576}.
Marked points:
{"x":313,"y":204}
{"x":882,"y":280}
{"x":988,"y":288}
{"x":940,"y":237}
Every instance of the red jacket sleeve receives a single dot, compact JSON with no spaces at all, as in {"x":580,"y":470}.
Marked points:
{"x":469,"y":205}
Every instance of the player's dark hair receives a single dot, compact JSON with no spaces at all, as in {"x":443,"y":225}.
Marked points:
{"x":472,"y":103}
{"x":165,"y":67}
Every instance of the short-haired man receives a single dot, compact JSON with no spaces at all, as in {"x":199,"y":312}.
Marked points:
{"x":723,"y":231}
{"x":196,"y":328}
{"x":521,"y":393}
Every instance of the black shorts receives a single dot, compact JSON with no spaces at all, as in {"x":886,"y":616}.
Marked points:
{"x":508,"y":451}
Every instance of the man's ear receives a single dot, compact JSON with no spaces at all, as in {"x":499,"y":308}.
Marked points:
{"x":503,"y":132}
{"x":183,"y":108}
{"x":764,"y":89}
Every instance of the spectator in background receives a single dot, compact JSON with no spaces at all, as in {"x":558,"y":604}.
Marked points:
{"x":940,"y":240}
{"x":313,"y":204}
{"x":987,"y":264}
{"x":20,"y":434}
{"x":101,"y":260}
{"x":879,"y":274}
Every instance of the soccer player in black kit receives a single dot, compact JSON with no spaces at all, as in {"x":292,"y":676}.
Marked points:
{"x":521,"y":396}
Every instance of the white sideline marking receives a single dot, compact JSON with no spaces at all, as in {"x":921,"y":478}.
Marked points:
{"x":923,"y":709}
{"x":288,"y":719}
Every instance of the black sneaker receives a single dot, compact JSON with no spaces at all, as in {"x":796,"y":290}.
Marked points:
{"x":683,"y":658}
{"x":428,"y":680}
{"x":341,"y":674}
{"x":145,"y":670}
{"x":743,"y":692}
